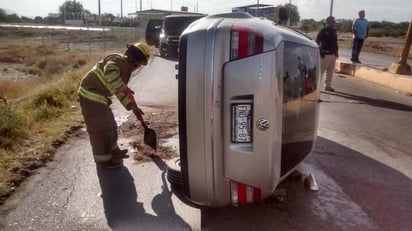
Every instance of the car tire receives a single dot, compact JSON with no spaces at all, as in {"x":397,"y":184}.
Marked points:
{"x":162,"y":54}
{"x":174,"y":175}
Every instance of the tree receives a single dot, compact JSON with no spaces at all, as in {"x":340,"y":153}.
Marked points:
{"x":38,"y":19}
{"x":71,"y":10}
{"x":345,"y":26}
{"x":294,"y":13}
{"x":3,"y":15}
{"x":13,"y":18}
{"x":309,"y":25}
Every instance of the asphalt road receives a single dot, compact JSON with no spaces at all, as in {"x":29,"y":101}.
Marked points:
{"x":362,"y":162}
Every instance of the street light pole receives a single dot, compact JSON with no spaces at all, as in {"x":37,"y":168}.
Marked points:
{"x":290,"y":6}
{"x":100,"y":20}
{"x":331,"y":7}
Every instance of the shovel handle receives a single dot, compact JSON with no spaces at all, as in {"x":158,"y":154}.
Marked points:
{"x":131,"y":97}
{"x":143,"y":123}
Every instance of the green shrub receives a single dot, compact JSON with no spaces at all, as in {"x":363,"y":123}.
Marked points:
{"x":12,"y":127}
{"x":48,"y":98}
{"x":45,"y":112}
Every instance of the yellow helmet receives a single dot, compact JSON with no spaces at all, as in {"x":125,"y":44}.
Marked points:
{"x":145,"y":49}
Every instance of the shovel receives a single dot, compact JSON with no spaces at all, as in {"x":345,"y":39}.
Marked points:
{"x":150,"y":136}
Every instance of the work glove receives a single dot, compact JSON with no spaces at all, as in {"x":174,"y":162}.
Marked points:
{"x":128,"y":91}
{"x":136,"y":110}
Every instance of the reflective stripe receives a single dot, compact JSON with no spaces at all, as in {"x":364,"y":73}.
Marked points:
{"x":109,"y":69}
{"x":92,"y":96}
{"x":111,"y":80}
{"x":103,"y":158}
{"x":124,"y":99}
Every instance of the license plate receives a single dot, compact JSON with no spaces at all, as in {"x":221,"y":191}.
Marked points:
{"x":241,"y":123}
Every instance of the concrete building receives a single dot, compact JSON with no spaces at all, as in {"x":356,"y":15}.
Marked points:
{"x":257,"y":10}
{"x":145,"y":15}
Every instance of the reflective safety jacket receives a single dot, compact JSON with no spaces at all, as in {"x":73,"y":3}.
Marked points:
{"x":107,"y":78}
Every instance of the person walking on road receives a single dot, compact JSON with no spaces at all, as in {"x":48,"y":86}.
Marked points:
{"x":107,"y":78}
{"x":327,"y":40}
{"x":360,"y":30}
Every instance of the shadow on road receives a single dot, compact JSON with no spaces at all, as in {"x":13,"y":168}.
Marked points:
{"x":356,"y":193}
{"x":124,"y":212}
{"x":370,"y":101}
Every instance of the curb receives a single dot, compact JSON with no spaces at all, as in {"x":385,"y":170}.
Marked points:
{"x":376,"y":74}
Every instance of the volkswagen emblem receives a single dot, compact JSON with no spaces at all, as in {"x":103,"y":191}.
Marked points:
{"x":262,"y":124}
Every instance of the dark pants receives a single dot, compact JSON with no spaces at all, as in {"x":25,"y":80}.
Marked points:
{"x":102,"y":128}
{"x":356,"y":48}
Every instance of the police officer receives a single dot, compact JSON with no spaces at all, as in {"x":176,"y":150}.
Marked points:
{"x":327,"y":40}
{"x":107,"y":78}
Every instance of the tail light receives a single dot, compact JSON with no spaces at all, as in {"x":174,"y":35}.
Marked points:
{"x":245,"y":42}
{"x":241,"y":193}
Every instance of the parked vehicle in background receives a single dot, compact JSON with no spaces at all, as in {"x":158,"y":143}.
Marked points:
{"x":153,"y":30}
{"x":173,"y":26}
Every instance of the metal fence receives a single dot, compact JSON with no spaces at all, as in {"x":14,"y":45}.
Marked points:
{"x":31,"y":53}
{"x":92,"y":40}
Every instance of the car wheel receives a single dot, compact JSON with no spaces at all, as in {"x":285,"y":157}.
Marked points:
{"x":174,"y":175}
{"x":162,"y":54}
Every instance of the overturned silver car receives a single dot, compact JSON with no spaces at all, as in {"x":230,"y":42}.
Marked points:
{"x":248,"y":108}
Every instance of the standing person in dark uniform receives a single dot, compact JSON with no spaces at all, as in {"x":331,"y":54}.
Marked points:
{"x":327,"y":40}
{"x":360,"y":30}
{"x":107,"y":78}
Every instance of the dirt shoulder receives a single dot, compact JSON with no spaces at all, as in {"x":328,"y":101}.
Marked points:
{"x":379,"y":45}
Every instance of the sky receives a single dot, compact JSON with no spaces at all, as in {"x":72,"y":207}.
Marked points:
{"x":376,"y":10}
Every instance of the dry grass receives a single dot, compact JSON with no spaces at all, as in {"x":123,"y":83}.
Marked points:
{"x":382,"y":45}
{"x":14,"y":89}
{"x":31,"y":130}
{"x":40,"y":79}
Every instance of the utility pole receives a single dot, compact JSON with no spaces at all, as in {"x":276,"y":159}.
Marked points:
{"x":331,"y":8}
{"x":121,"y":8}
{"x":402,"y":66}
{"x":100,"y":19}
{"x":290,"y":6}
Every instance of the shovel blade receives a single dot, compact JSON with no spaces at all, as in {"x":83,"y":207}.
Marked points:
{"x":150,"y":138}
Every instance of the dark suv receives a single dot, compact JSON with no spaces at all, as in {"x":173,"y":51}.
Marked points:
{"x":153,"y":29}
{"x":173,"y":26}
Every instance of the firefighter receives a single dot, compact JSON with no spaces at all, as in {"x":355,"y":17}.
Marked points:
{"x":107,"y":78}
